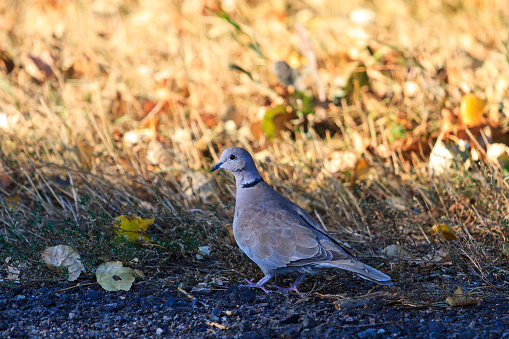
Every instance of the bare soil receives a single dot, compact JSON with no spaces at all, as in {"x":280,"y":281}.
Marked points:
{"x":343,"y":307}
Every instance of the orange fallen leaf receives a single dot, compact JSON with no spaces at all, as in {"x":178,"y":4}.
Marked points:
{"x":471,"y":109}
{"x":256,"y":129}
{"x":210,"y":120}
{"x":5,"y":179}
{"x":360,"y":172}
{"x":85,"y":155}
{"x":361,"y":169}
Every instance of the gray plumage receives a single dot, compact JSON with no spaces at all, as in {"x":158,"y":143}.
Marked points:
{"x":278,"y":235}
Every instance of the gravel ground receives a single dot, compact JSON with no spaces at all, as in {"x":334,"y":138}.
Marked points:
{"x":362,"y":310}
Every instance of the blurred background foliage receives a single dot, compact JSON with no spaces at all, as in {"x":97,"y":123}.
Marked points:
{"x":379,"y":118}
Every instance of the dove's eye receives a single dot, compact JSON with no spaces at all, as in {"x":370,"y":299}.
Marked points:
{"x":233,"y":157}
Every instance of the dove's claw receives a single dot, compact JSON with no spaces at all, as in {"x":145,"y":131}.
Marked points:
{"x":293,"y":287}
{"x":288,"y":289}
{"x":259,"y":284}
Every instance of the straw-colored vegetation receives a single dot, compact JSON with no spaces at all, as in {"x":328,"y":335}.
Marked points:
{"x":120,"y":107}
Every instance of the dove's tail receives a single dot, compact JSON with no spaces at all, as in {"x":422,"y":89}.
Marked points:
{"x":363,"y":271}
{"x":375,"y":275}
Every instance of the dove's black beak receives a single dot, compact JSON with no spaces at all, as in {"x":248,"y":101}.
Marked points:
{"x":216,"y":166}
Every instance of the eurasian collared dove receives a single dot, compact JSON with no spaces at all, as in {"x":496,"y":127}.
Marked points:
{"x":280,"y":236}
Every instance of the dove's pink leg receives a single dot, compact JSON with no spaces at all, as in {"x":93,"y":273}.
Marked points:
{"x":259,"y":284}
{"x":293,"y":287}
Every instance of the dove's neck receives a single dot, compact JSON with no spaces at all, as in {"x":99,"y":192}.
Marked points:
{"x":252,"y":183}
{"x":248,"y":179}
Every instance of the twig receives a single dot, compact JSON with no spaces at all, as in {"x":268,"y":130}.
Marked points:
{"x":75,"y":286}
{"x":214,"y":324}
{"x":367,"y":325}
{"x":321,"y":221}
{"x":191,"y":297}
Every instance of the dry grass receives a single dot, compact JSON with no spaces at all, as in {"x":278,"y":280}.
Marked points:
{"x":110,"y":71}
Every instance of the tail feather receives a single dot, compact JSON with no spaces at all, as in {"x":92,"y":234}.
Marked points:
{"x":380,"y":282}
{"x":364,"y":271}
{"x":375,"y":275}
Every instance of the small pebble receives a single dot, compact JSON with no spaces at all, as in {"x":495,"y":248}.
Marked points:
{"x":46,"y":302}
{"x":233,"y":288}
{"x":247,"y":296}
{"x":292,"y":319}
{"x":435,"y":326}
{"x":308,"y":322}
{"x":92,"y":295}
{"x":170,"y":302}
{"x":369,"y":333}
{"x":110,"y":307}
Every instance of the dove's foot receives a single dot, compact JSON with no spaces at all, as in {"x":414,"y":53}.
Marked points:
{"x":288,"y":289}
{"x":259,"y":284}
{"x":293,"y":287}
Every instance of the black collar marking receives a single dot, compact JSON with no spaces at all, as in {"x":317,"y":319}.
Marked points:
{"x":252,"y":183}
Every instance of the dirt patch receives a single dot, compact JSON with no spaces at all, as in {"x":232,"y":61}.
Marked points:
{"x":343,"y":308}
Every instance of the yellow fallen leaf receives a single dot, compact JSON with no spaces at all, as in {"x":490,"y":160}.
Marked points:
{"x":471,"y":109}
{"x":461,"y":299}
{"x":132,"y":229}
{"x":445,"y":231}
{"x":295,"y":60}
{"x":112,"y":276}
{"x":63,"y":256}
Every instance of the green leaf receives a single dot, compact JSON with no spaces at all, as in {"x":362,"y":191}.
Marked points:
{"x":301,"y":102}
{"x":396,"y":131}
{"x":223,"y":15}
{"x":253,"y":44}
{"x":240,"y":69}
{"x":356,"y":81}
{"x":269,"y":127}
{"x":257,"y":49}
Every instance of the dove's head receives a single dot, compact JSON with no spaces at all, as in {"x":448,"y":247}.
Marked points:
{"x":239,"y":162}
